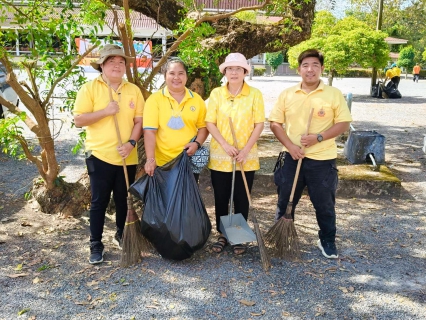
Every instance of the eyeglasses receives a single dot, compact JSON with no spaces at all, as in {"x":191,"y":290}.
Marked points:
{"x":234,"y":70}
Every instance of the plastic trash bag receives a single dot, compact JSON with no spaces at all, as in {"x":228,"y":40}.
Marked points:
{"x":175,"y":219}
{"x":392,"y":91}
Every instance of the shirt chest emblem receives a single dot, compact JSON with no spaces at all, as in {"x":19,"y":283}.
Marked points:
{"x":321,"y":113}
{"x":192,"y":108}
{"x":131,"y":104}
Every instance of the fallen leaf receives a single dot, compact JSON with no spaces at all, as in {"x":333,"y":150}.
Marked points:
{"x":36,"y":280}
{"x":83,"y":303}
{"x":397,"y":256}
{"x":113,"y":306}
{"x":344,"y":290}
{"x":17,"y":275}
{"x":89,"y":297}
{"x":351,"y":289}
{"x":152,"y":307}
{"x":20,"y":313}
{"x":285,"y":314}
{"x":92,"y":283}
{"x":247,"y":303}
{"x":26,"y":224}
{"x":223,"y":294}
{"x":113,"y":296}
{"x":18,"y":267}
{"x":172,"y":306}
{"x":256,"y":314}
{"x":32,"y":318}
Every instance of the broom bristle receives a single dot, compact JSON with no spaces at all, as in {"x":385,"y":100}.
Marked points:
{"x":283,"y":237}
{"x":134,"y":243}
{"x":264,"y":256}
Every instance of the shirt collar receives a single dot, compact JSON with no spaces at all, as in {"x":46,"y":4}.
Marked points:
{"x":188,"y":94}
{"x":245,"y":91}
{"x":123,"y":81}
{"x":320,"y":87}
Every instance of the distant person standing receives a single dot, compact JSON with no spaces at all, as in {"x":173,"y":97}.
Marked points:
{"x":416,"y":73}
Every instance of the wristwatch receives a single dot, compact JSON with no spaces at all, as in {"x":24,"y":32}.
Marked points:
{"x":320,"y":137}
{"x":132,"y":142}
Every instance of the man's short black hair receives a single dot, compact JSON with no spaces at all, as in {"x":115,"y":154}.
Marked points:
{"x":311,"y":53}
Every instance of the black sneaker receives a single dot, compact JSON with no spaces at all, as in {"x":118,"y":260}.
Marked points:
{"x":96,"y":252}
{"x":328,"y":249}
{"x":118,"y":240}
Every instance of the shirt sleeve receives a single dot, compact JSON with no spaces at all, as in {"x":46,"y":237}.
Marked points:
{"x":277,"y":113}
{"x":140,"y":104}
{"x":342,"y":112}
{"x":211,"y":115}
{"x":151,"y":113}
{"x":201,"y":122}
{"x":83,"y":102}
{"x":258,"y":108}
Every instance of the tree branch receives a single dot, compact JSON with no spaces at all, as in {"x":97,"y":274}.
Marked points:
{"x":75,"y":64}
{"x":184,"y":35}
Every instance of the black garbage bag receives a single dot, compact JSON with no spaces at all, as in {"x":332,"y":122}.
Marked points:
{"x":175,"y":219}
{"x":376,"y":90}
{"x":392,"y":91}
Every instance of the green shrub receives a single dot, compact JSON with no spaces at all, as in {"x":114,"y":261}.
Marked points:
{"x":357,"y":73}
{"x":259,"y":71}
{"x":422,"y":74}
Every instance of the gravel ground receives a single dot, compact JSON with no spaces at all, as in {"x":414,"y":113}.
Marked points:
{"x":44,"y":273}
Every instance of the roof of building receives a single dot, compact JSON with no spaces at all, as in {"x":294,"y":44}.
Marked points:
{"x":227,"y":5}
{"x":391,"y":40}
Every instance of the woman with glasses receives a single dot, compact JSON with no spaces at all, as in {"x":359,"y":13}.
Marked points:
{"x":244,"y":105}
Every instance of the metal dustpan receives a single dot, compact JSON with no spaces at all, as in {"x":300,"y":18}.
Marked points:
{"x":233,"y":226}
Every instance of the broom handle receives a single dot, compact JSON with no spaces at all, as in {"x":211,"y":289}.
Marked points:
{"x":117,"y":130}
{"x":299,"y":162}
{"x":240,"y":163}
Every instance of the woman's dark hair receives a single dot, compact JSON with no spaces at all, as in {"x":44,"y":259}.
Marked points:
{"x":174,"y":60}
{"x":311,"y":53}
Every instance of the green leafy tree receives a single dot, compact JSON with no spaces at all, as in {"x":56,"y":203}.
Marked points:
{"x":274,"y":60}
{"x":406,"y":59}
{"x":401,"y":19}
{"x":202,"y":39}
{"x":349,"y":42}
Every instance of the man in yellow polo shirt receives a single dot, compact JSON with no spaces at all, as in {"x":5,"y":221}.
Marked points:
{"x":104,"y":158}
{"x":331,"y":117}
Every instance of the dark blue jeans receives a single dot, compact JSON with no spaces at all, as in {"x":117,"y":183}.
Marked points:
{"x":104,"y":179}
{"x":320,"y":177}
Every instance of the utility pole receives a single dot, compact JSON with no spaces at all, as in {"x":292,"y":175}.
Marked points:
{"x":378,"y":28}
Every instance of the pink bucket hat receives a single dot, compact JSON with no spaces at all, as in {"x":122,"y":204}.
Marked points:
{"x":234,"y":60}
{"x":110,"y":50}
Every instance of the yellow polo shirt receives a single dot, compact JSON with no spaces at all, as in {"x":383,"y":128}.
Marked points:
{"x":246,"y":109}
{"x":293,"y":107}
{"x":101,"y":137}
{"x":159,"y":108}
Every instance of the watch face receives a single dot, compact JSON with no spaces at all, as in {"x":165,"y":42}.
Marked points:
{"x":319,"y":138}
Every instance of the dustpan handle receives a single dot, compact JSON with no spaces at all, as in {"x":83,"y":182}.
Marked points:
{"x":234,"y":136}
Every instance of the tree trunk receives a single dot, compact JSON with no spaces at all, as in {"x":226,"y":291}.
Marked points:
{"x":330,"y":77}
{"x":67,"y":199}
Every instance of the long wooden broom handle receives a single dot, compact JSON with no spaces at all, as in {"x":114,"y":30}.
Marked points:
{"x":117,"y":130}
{"x":241,"y":165}
{"x":299,"y":163}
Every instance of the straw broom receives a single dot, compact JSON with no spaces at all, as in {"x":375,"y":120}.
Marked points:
{"x":283,"y":235}
{"x":264,"y":256}
{"x":133,"y":241}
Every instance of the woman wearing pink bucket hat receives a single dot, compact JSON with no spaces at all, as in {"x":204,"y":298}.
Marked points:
{"x":244,"y":105}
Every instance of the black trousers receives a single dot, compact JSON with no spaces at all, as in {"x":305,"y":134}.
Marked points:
{"x":396,"y":81}
{"x":104,"y":179}
{"x":320,"y":176}
{"x":222,"y":184}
